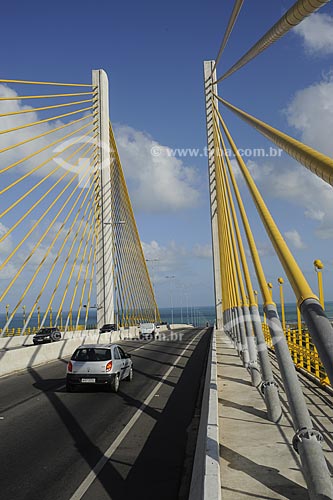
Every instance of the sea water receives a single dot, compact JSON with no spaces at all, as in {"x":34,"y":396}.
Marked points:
{"x":195,"y":315}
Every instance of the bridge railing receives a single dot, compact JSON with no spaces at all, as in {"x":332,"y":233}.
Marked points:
{"x":302,"y":350}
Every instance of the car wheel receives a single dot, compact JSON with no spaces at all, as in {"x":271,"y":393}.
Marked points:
{"x":129,"y":377}
{"x":114,"y":384}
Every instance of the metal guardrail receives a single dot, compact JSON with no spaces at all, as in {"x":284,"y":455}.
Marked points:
{"x":13,"y":332}
{"x":303,"y":352}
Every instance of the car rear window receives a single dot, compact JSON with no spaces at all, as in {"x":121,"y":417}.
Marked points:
{"x":92,"y":354}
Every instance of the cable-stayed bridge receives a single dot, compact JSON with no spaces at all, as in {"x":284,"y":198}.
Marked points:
{"x":67,"y":222}
{"x":240,"y":411}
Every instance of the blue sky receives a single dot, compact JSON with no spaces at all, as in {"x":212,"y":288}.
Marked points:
{"x":153,"y":54}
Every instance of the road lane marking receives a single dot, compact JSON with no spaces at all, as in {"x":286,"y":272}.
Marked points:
{"x":87,"y":482}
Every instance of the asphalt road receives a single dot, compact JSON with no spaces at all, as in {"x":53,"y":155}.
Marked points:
{"x":95,"y":445}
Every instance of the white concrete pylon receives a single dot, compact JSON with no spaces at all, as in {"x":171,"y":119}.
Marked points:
{"x":210,"y":77}
{"x":104,"y":253}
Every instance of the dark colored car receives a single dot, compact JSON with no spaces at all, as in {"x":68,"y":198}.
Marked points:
{"x":110,"y":327}
{"x":47,"y":334}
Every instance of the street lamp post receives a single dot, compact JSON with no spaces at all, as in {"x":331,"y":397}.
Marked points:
{"x":270,"y":287}
{"x":116,"y":310}
{"x":24,"y":314}
{"x":181,"y":310}
{"x":188,"y":320}
{"x":281,"y":281}
{"x":171,"y":297}
{"x":182,"y":289}
{"x":38,"y":317}
{"x":153,"y":283}
{"x":318,"y":267}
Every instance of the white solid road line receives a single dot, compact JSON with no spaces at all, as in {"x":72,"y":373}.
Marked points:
{"x":85,"y":485}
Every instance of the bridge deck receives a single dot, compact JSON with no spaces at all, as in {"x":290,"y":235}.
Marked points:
{"x":257,"y":459}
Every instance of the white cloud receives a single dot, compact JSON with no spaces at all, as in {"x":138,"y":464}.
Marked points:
{"x":317,"y":33}
{"x":158,"y":182}
{"x":265,"y":249}
{"x":7,"y":243}
{"x":311,"y":113}
{"x":202,"y":251}
{"x":301,"y":187}
{"x":19,"y":120}
{"x":164,"y":258}
{"x":173,"y":259}
{"x":314,"y":214}
{"x":295,"y":239}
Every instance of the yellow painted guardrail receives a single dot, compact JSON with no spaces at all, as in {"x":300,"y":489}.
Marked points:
{"x":13,"y":332}
{"x":302,"y":350}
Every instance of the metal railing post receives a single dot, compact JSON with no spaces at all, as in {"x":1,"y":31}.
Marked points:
{"x":307,"y":441}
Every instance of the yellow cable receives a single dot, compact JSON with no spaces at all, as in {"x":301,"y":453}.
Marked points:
{"x":249,"y":235}
{"x":17,"y":98}
{"x":31,"y":280}
{"x":237,"y":7}
{"x":21,"y":127}
{"x":296,"y":278}
{"x":64,"y":293}
{"x":86,"y":274}
{"x":315,"y":161}
{"x":33,"y":110}
{"x":299,"y":11}
{"x":50,"y":247}
{"x":246,"y":271}
{"x":131,"y":224}
{"x":231,"y":231}
{"x":83,"y":256}
{"x":39,"y":183}
{"x":3,"y":264}
{"x":45,"y":234}
{"x":92,"y":275}
{"x":72,"y":155}
{"x":26,"y":141}
{"x":48,"y":83}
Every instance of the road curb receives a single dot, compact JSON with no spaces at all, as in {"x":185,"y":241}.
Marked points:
{"x":206,"y":481}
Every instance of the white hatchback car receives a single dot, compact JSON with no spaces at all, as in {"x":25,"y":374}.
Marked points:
{"x":99,"y":364}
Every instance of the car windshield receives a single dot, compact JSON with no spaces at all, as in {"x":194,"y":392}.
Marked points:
{"x":92,"y":354}
{"x":147,"y":325}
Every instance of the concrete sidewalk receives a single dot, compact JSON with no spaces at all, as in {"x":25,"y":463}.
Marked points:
{"x":256,"y":457}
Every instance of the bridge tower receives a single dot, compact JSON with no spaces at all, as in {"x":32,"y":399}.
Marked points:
{"x":103,"y":212}
{"x":209,"y":78}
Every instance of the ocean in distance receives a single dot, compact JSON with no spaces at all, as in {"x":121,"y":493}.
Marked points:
{"x":196,"y":315}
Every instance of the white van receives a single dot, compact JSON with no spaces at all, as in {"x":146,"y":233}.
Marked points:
{"x":147,"y":331}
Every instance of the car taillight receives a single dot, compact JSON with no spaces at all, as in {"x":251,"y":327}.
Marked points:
{"x":70,"y":367}
{"x":109,"y":366}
